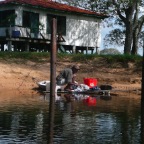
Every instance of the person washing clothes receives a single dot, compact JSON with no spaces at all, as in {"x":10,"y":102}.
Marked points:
{"x":67,"y":77}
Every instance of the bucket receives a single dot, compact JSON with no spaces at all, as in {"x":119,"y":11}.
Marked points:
{"x":16,"y":33}
{"x":47,"y":85}
{"x":91,"y":82}
{"x":57,"y":88}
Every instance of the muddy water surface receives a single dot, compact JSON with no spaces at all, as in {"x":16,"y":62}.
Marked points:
{"x":78,"y":119}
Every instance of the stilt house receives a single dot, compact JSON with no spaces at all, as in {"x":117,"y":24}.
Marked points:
{"x":25,"y":25}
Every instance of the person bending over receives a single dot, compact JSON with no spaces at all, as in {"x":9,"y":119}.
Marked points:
{"x":67,"y":77}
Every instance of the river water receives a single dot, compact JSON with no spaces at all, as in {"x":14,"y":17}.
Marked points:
{"x":79,"y":119}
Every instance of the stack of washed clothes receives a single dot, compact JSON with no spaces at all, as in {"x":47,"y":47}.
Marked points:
{"x":83,"y":87}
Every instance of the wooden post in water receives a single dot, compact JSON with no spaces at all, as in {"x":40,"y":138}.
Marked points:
{"x":142,"y":99}
{"x":10,"y":36}
{"x":52,"y":79}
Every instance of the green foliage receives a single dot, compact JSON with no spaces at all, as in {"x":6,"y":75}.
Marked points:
{"x":122,"y":58}
{"x":81,"y":58}
{"x":76,"y":57}
{"x":63,"y":56}
{"x":110,"y":51}
{"x":115,"y":37}
{"x":33,"y":56}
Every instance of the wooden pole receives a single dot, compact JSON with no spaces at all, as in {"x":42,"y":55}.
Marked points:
{"x":52,"y":79}
{"x":10,"y":36}
{"x":142,"y":99}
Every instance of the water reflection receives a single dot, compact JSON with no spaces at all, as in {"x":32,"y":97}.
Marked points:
{"x":78,"y":119}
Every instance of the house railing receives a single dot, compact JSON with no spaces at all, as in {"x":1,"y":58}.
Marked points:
{"x":17,"y":31}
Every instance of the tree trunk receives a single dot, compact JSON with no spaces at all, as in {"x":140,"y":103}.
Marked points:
{"x":136,"y":28}
{"x":136,"y":32}
{"x":128,"y":21}
{"x":128,"y":39}
{"x":135,"y":42}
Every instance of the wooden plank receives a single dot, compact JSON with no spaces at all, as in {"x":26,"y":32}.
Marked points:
{"x":103,"y":92}
{"x":96,"y":92}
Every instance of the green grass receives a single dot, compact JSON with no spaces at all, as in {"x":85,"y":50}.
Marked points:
{"x":33,"y":56}
{"x":123,"y":58}
{"x":44,"y":56}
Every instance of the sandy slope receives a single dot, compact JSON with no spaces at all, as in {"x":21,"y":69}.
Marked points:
{"x":23,"y":76}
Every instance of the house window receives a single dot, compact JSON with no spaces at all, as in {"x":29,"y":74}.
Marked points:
{"x":31,"y":20}
{"x":61,"y":24}
{"x":7,"y":18}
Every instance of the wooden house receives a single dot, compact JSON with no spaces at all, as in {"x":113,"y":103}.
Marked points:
{"x":25,"y":25}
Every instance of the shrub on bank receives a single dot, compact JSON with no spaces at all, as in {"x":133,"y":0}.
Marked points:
{"x":45,"y":57}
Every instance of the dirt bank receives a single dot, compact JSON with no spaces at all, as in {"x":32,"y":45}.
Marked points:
{"x":18,"y":75}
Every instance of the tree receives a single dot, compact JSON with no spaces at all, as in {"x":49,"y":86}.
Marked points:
{"x":137,"y":30}
{"x":128,"y":12}
{"x":126,"y":15}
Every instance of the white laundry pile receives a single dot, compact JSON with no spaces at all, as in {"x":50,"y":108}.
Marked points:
{"x":81,"y":87}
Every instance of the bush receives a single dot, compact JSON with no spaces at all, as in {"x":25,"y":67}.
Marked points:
{"x":111,"y":51}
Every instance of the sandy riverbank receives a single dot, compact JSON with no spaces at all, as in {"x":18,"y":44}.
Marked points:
{"x":24,"y":76}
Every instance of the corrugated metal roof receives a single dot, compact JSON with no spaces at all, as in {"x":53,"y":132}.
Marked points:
{"x":55,"y":6}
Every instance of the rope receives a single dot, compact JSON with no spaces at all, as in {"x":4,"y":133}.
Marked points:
{"x":26,"y":77}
